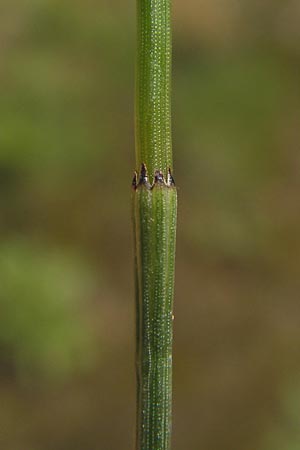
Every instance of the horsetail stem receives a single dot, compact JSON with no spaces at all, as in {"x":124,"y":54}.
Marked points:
{"x":153,"y":85}
{"x":154,"y":222}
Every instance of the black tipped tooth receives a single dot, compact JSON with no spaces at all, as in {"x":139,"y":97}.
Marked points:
{"x":170,"y":181}
{"x":159,"y":177}
{"x":144,"y":176}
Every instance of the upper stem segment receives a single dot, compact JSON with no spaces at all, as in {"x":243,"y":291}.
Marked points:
{"x":153,"y":85}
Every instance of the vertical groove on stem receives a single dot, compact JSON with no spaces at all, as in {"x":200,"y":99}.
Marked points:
{"x":154,"y":218}
{"x":154,"y":213}
{"x":153,"y":85}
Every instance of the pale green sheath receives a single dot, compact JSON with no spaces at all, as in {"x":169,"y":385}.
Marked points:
{"x":154,"y":213}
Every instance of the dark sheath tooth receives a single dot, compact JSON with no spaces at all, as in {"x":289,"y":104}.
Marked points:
{"x":144,"y":174}
{"x":144,"y":177}
{"x":170,"y":180}
{"x":159,"y":178}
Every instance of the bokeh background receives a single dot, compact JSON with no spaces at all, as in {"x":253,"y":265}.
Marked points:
{"x":67,"y":377}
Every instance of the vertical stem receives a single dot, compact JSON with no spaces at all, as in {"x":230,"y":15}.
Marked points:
{"x":154,"y":222}
{"x":154,"y":213}
{"x":153,"y":85}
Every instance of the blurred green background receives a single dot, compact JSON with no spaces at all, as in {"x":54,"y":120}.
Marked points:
{"x":67,"y":377}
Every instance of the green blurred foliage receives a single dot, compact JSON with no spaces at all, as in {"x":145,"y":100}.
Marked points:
{"x":66,"y":158}
{"x":43,"y":331}
{"x":284,"y":430}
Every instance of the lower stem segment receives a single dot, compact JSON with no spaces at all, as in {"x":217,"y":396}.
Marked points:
{"x":154,"y":216}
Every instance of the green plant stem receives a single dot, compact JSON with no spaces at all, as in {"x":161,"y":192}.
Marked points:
{"x":154,"y":221}
{"x":153,"y":85}
{"x":155,"y":231}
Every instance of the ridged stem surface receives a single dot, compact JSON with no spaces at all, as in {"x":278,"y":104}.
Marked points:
{"x":153,"y":85}
{"x":154,"y":221}
{"x":155,"y":231}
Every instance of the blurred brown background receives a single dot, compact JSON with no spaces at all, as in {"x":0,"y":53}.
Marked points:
{"x":67,"y":377}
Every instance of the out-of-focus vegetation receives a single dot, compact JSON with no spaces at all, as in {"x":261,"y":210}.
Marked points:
{"x":66,"y":158}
